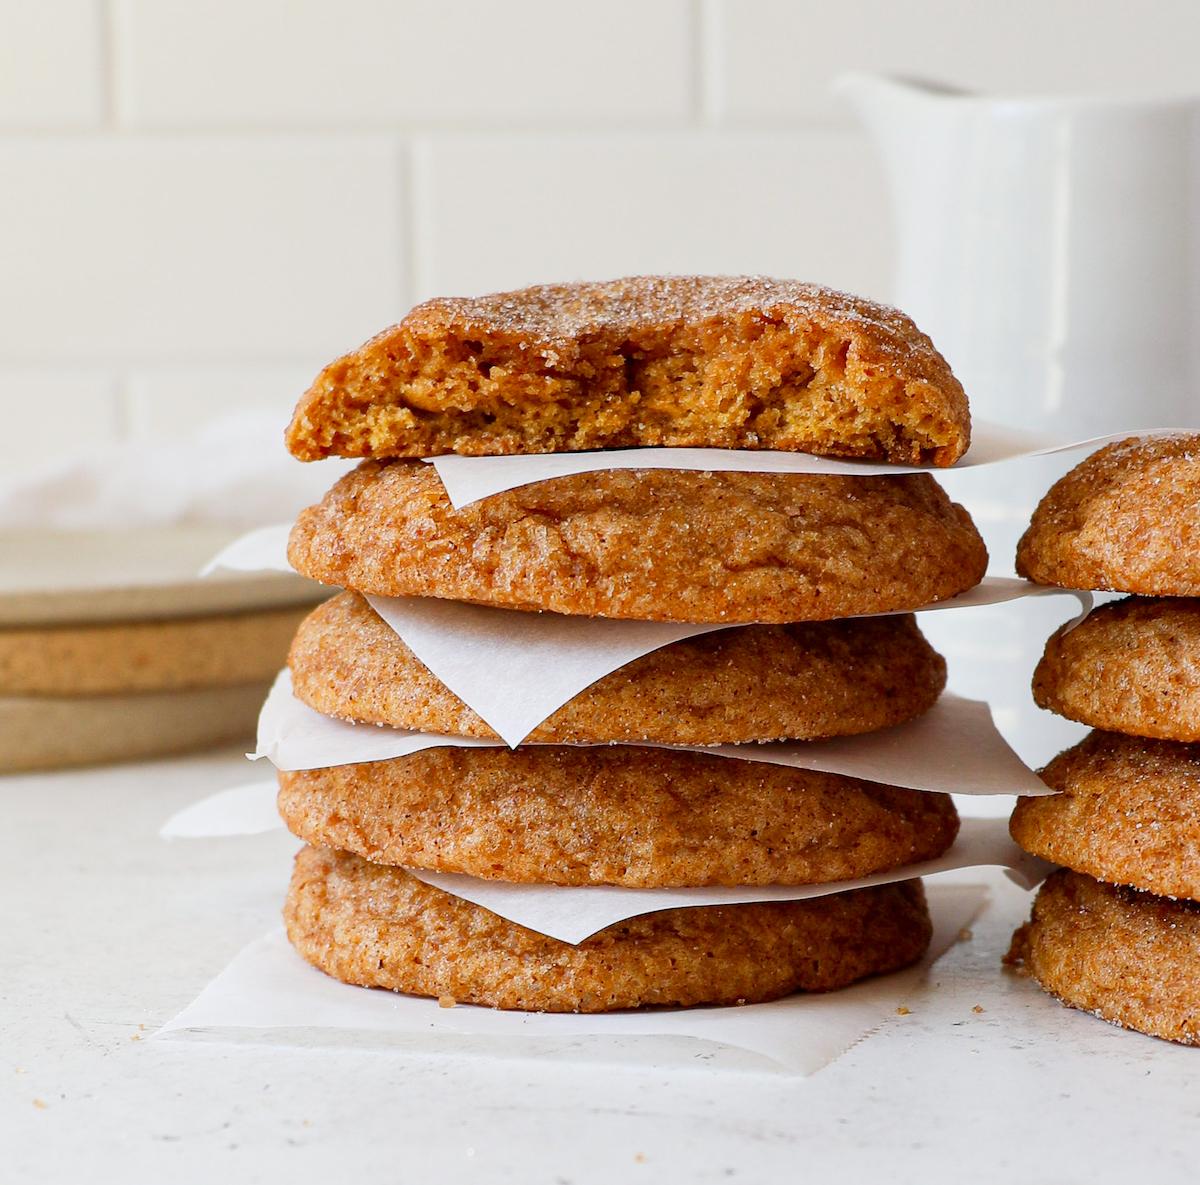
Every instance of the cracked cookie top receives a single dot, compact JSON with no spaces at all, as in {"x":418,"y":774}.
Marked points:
{"x":651,"y":545}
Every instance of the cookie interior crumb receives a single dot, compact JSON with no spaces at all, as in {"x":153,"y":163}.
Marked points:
{"x":702,"y":361}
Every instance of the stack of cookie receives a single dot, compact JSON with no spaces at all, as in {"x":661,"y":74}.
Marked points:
{"x":784,"y":560}
{"x":1117,"y":930}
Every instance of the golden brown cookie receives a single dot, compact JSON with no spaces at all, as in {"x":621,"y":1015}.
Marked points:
{"x":1126,"y":519}
{"x":1128,"y":813}
{"x":380,"y":927}
{"x":1130,"y":666}
{"x":716,"y":361}
{"x":657,"y":545}
{"x":620,"y":815}
{"x":1130,"y":958}
{"x":752,"y":683}
{"x":169,"y":655}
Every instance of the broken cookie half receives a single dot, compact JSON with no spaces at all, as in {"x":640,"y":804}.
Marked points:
{"x":675,"y":361}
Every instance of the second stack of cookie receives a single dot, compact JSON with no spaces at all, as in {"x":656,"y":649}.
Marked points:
{"x":788,"y":562}
{"x":1117,"y":931}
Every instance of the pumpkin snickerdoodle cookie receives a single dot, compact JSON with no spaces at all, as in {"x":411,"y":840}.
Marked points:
{"x":663,"y":545}
{"x":1126,"y":519}
{"x":1130,"y":958}
{"x":712,"y":361}
{"x":1128,"y":812}
{"x":618,"y":815}
{"x":750,"y":683}
{"x":381,"y":927}
{"x":1130,"y":666}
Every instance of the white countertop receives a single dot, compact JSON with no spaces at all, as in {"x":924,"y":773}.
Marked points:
{"x":109,"y":931}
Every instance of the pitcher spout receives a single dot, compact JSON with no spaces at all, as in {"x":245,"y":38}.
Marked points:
{"x":892,"y":105}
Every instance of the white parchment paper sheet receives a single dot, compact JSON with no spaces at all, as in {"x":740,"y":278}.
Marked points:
{"x":262,"y":550}
{"x":268,"y":987}
{"x":247,"y":809}
{"x":291,"y":735}
{"x":515,"y":669}
{"x":468,"y":479}
{"x":571,"y":913}
{"x":954,"y":748}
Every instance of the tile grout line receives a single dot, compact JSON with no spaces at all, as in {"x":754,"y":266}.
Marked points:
{"x":418,"y":220}
{"x":695,"y":76}
{"x":706,"y":74}
{"x":108,"y":62}
{"x":118,"y":386}
{"x":406,"y":273}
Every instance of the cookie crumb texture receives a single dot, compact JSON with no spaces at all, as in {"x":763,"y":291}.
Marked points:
{"x":654,"y":545}
{"x":750,"y":683}
{"x":701,"y":361}
{"x":1130,"y":666}
{"x":1130,"y":958}
{"x":376,"y":926}
{"x":1126,"y":519}
{"x":1127,"y":812}
{"x":616,"y":815}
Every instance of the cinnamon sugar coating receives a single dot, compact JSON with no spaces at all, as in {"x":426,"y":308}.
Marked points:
{"x":1130,"y":958}
{"x":752,"y":683}
{"x":1128,"y":813}
{"x":380,"y":927}
{"x":709,"y":361}
{"x":659,"y":545}
{"x":616,"y":815}
{"x":1130,"y":666}
{"x":1126,"y":519}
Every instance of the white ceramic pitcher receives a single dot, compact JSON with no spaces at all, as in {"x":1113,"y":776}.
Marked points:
{"x":1050,"y":246}
{"x":1051,"y":249}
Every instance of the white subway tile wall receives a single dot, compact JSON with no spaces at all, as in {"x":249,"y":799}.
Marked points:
{"x":773,"y":61}
{"x":199,"y":248}
{"x":52,"y":64}
{"x":378,"y":63}
{"x":158,"y":399}
{"x":570,"y":207}
{"x":204,"y":202}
